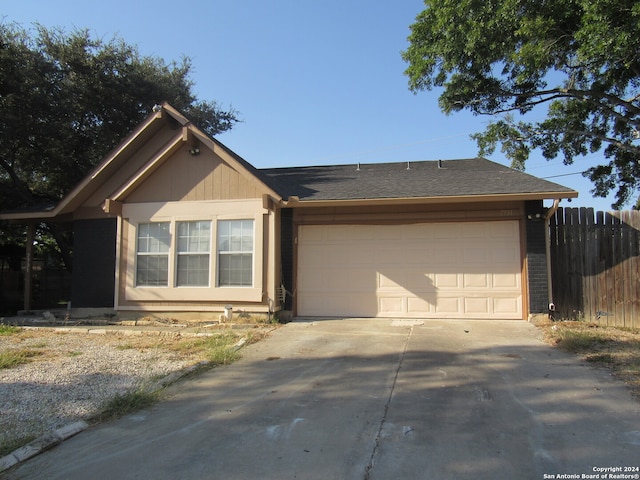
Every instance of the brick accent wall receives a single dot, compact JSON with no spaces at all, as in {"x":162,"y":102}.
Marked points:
{"x":286,"y":249}
{"x":536,"y":259}
{"x":94,"y":263}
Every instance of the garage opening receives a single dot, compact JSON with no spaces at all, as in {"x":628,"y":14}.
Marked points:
{"x":424,"y":270}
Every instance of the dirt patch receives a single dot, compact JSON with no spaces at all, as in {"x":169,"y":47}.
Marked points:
{"x":73,"y":374}
{"x":614,"y":348}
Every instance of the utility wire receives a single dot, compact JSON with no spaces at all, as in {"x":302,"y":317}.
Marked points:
{"x":564,"y":175}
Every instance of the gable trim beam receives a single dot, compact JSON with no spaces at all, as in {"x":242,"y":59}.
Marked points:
{"x":149,"y":167}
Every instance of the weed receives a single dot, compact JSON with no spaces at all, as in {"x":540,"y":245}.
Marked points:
{"x":8,"y":446}
{"x":13,"y":358}
{"x":605,"y":358}
{"x":8,"y":329}
{"x":128,"y":402}
{"x":580,"y":341}
{"x":614,"y":348}
{"x":216,"y":349}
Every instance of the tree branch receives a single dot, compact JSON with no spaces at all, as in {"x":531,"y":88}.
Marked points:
{"x":21,"y":188}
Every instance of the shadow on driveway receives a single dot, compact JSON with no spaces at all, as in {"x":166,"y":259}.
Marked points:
{"x":362,"y":399}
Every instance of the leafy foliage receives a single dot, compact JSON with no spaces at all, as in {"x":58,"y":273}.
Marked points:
{"x":578,"y":57}
{"x":66,"y":100}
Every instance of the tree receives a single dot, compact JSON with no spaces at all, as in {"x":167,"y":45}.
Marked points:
{"x":66,"y":100}
{"x":579,"y":58}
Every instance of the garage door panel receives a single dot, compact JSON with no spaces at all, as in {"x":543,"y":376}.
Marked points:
{"x":475,"y":230}
{"x":448,"y":306}
{"x":418,"y":281}
{"x":448,"y":270}
{"x":392,"y":279}
{"x":506,"y":280}
{"x":476,"y":307}
{"x":505,"y":230}
{"x":391,"y":306}
{"x":479,"y":280}
{"x":447,"y":280}
{"x":475,"y":255}
{"x":362,"y":255}
{"x":505,"y":306}
{"x":445,"y":230}
{"x":447,"y":257}
{"x":389,"y":256}
{"x":338,"y":233}
{"x":418,"y":306}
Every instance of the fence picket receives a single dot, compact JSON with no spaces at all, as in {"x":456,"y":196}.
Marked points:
{"x":595,"y":260}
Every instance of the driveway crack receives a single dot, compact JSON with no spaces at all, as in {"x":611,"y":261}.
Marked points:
{"x":376,"y":446}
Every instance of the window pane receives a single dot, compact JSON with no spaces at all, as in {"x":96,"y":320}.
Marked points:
{"x":194,"y":239}
{"x":152,"y":261}
{"x":235,"y":236}
{"x":154,"y":237}
{"x":235,"y":253}
{"x":193,"y":270}
{"x":235,"y":270}
{"x":152,"y":270}
{"x":194,"y":236}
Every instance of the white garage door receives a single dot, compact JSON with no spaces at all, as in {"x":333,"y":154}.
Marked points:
{"x":435,"y":270}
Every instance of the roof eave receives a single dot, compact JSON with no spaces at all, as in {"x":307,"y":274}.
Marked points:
{"x":295,"y":202}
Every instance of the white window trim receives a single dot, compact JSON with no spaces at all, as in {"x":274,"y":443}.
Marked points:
{"x":134,"y":214}
{"x":177,"y":254}
{"x":218,"y":253}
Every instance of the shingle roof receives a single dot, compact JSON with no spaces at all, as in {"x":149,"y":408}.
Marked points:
{"x":423,"y":179}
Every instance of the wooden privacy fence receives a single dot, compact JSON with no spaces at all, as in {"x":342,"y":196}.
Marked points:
{"x":595,"y":265}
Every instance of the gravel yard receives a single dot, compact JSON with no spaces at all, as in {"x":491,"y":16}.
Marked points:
{"x":69,"y":376}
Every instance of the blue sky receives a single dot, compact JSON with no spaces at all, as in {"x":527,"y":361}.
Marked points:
{"x":314,"y":82}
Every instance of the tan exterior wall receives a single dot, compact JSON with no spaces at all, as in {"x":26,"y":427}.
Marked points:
{"x":185,"y":177}
{"x":91,"y":208}
{"x":186,"y":187}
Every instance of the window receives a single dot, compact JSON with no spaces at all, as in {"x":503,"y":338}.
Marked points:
{"x":193,"y":247}
{"x":235,"y":253}
{"x":152,"y":262}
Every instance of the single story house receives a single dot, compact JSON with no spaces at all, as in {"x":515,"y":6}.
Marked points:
{"x":174,"y":221}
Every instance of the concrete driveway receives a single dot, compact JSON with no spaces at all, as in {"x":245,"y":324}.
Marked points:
{"x":372,"y":399}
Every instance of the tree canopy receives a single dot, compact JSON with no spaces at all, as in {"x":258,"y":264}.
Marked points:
{"x":579,"y":58}
{"x":67,"y":99}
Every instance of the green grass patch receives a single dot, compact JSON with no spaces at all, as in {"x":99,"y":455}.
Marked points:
{"x":13,"y":358}
{"x":128,"y":402}
{"x":217,"y":349}
{"x":8,"y":329}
